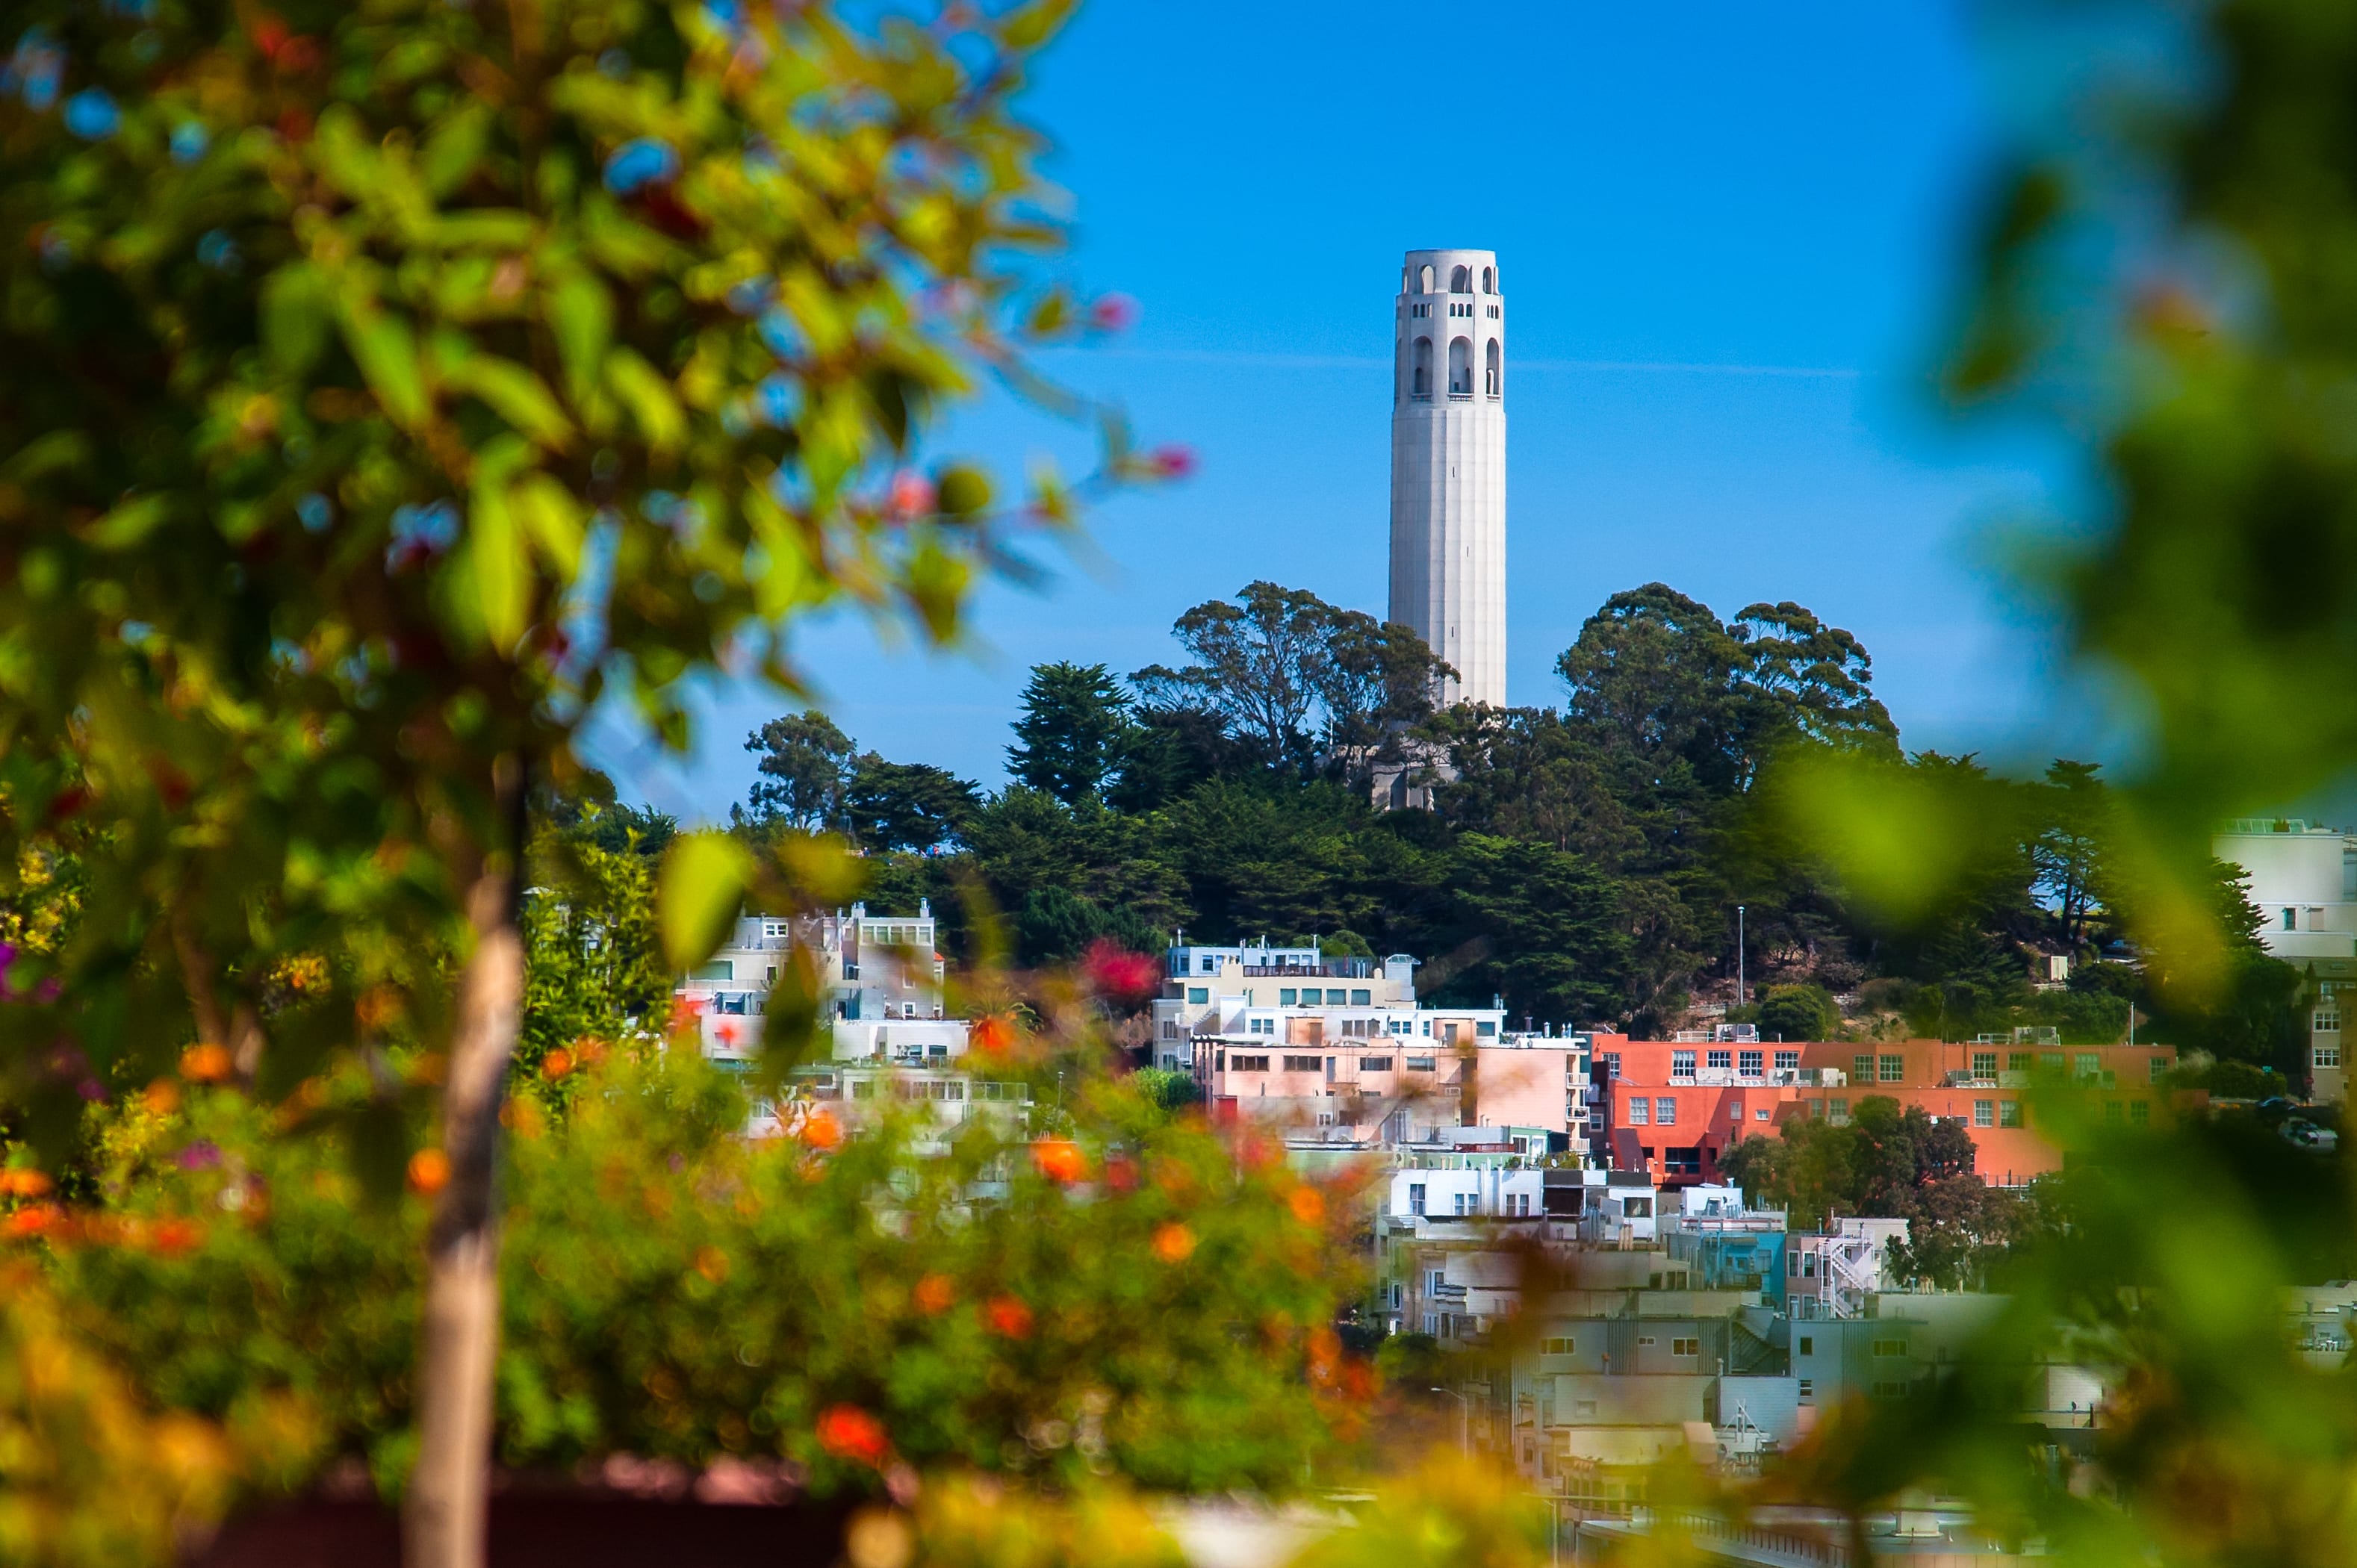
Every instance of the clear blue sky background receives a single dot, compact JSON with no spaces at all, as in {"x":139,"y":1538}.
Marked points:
{"x":1729,"y":235}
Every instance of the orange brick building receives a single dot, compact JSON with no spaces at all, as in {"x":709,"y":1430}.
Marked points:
{"x":1673,"y":1107}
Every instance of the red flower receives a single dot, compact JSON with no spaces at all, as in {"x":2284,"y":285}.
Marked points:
{"x":1006,"y":1314}
{"x":1172,"y":462}
{"x":848,"y":1432}
{"x":1118,"y":976}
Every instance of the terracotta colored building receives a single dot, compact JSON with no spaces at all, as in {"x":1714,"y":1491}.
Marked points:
{"x":1673,"y":1107}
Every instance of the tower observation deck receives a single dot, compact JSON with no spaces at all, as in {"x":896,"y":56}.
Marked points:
{"x":1448,"y":466}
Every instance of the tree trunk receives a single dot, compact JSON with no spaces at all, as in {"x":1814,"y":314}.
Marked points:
{"x":446,"y":1507}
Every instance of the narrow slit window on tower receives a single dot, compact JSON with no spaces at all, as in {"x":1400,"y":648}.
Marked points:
{"x":1461,"y":281}
{"x":1461,"y":368}
{"x":1420,"y":370}
{"x":1496,"y":369}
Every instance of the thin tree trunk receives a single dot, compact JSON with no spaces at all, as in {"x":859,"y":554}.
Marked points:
{"x":446,"y":1509}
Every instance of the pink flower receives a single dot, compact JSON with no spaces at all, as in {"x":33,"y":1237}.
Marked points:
{"x":1113,"y":312}
{"x":912,"y":494}
{"x":1171,"y":462}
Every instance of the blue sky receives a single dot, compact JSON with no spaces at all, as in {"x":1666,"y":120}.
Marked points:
{"x":1728,"y":234}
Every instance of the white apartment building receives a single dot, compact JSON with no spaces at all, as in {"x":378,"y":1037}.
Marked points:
{"x":882,"y":976}
{"x":2303,"y":876}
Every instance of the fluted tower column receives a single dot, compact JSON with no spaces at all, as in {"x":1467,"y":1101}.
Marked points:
{"x":1448,"y":466}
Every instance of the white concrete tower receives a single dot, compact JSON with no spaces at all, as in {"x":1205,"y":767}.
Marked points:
{"x":1448,"y":466}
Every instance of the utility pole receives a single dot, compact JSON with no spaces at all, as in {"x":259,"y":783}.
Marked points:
{"x":1464,"y":1420}
{"x":1739,"y":955}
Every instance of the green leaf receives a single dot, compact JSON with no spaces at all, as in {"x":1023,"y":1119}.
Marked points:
{"x":455,"y":146}
{"x":554,"y":520}
{"x":516,"y":395}
{"x":649,"y":397}
{"x":1030,"y":27}
{"x":697,"y":895}
{"x":386,"y":351}
{"x":297,"y":312}
{"x":581,"y":317}
{"x":495,"y":565}
{"x":129,"y":523}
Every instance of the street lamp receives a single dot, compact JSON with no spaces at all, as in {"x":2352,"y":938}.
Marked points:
{"x":1464,"y":1420}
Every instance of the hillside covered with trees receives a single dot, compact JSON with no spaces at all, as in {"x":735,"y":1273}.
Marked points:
{"x":1583,"y":861}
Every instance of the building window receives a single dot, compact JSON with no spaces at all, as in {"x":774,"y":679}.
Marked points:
{"x":1467,"y":1203}
{"x":2017,"y":1061}
{"x":1289,"y":996}
{"x":1685,"y":1346}
{"x":1984,"y":1113}
{"x":1893,"y":1069}
{"x":1415,"y":1197}
{"x":1560,"y":1345}
{"x":2008,"y":1112}
{"x":1861,"y":1069}
{"x":2139,"y":1113}
{"x":1639,"y":1110}
{"x":1889,"y":1348}
{"x":1303,"y":1064}
{"x":1197,"y":994}
{"x":1788,"y":1061}
{"x":1984,"y":1064}
{"x":1375,"y":1064}
{"x":1493,"y":376}
{"x":1808,"y":1345}
{"x":1808,"y":1388}
{"x":1460,"y":367}
{"x":1838,"y":1112}
{"x":2324,"y":1056}
{"x":2112,"y":1112}
{"x":1748,"y":1064}
{"x":1419,"y":376}
{"x":1460,"y":281}
{"x":1665,"y":1111}
{"x":1722,"y":1058}
{"x":1363,"y":999}
{"x":1489,"y":280}
{"x":1247,"y":1064}
{"x":1612,"y":1064}
{"x":2326,"y":1020}
{"x":2160,"y":1068}
{"x":2290,"y":925}
{"x":1682,"y":1064}
{"x":1420,"y":1064}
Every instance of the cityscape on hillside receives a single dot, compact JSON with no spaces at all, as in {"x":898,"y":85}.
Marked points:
{"x":731,"y":833}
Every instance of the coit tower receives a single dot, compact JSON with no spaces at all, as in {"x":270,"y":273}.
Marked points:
{"x":1448,"y":466}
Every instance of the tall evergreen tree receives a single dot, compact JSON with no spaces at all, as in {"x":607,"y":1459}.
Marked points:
{"x":1070,"y":737}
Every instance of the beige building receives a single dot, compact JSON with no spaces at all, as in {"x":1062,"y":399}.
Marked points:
{"x":2303,"y":877}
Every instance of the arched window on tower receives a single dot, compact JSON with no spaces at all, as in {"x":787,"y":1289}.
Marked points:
{"x":1497,"y":369}
{"x":1461,"y":281}
{"x":1489,"y":280}
{"x":1419,"y":383}
{"x":1461,"y":368}
{"x":1424,"y":279}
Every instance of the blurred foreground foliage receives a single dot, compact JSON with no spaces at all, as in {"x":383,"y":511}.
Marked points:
{"x":1146,"y":1300}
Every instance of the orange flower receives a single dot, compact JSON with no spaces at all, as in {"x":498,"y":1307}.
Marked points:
{"x":205,"y":1063}
{"x":589,"y":1050}
{"x":712,"y":1263}
{"x":38,"y":1220}
{"x":1060,"y":1160}
{"x":22,"y":1183}
{"x":1308,"y":1204}
{"x":821,"y":1130}
{"x":163,"y":1096}
{"x":556,"y":1064}
{"x":173,"y":1237}
{"x":991,"y":1037}
{"x":848,"y":1432}
{"x":1174,"y":1243}
{"x":1006,"y":1314}
{"x":934,"y":1293}
{"x":429,"y":1172}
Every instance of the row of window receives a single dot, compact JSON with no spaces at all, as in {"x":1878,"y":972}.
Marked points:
{"x":1253,"y":1062}
{"x":1747,"y":1063}
{"x":1460,"y":279}
{"x":1461,"y":368}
